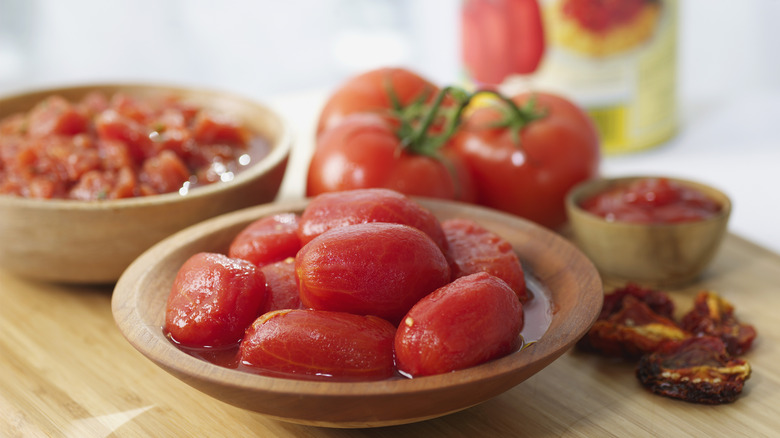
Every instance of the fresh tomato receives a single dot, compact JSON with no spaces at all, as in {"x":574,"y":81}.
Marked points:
{"x":472,"y":248}
{"x":333,"y":210}
{"x":213,"y":300}
{"x":365,"y":150}
{"x":378,"y":269}
{"x":267,"y":240}
{"x":374,"y":91}
{"x":472,"y":320}
{"x":501,"y":38}
{"x":525,"y":158}
{"x":320,"y":344}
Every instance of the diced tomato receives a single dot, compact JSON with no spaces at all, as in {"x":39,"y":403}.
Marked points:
{"x":165,"y":172}
{"x":111,"y":125}
{"x":56,"y":116}
{"x":209,"y":128}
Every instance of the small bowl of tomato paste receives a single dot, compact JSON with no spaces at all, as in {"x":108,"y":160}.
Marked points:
{"x":93,"y":175}
{"x":657,"y":230}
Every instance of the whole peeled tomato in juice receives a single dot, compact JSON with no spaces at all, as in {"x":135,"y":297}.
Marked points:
{"x":267,"y":240}
{"x":306,"y":342}
{"x":213,"y":300}
{"x":501,"y":38}
{"x":379,"y":269}
{"x":472,"y":248}
{"x":281,"y":286}
{"x":373,"y":92}
{"x":369,"y":150}
{"x":338,"y":209}
{"x":525,"y":155}
{"x":470,"y":321}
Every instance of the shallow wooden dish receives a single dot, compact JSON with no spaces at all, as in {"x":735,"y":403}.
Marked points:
{"x":557,"y":268}
{"x":657,"y":254}
{"x":93,"y":242}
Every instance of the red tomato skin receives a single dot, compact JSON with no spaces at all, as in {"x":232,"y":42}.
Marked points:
{"x":364,"y":151}
{"x":213,"y":300}
{"x":267,"y":240}
{"x":376,"y":269}
{"x":368,"y":92}
{"x":281,"y":287}
{"x":501,"y":38}
{"x":320,"y":343}
{"x":470,"y":321}
{"x":473,"y":249}
{"x":338,"y":209}
{"x":531,"y":180}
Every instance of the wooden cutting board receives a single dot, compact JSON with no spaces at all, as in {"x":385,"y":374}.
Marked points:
{"x":65,"y":370}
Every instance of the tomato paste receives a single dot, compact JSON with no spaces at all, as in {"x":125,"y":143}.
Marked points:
{"x":120,"y":146}
{"x":652,"y":200}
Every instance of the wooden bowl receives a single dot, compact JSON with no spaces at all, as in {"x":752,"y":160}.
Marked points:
{"x":555,"y":268}
{"x":94,"y":241}
{"x":654,"y":254}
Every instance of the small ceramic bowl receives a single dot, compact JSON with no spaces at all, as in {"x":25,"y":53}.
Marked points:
{"x":568,"y":295}
{"x":73,"y":241}
{"x":655,"y":254}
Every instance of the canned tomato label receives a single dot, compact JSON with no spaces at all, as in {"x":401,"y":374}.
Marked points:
{"x":617,"y":59}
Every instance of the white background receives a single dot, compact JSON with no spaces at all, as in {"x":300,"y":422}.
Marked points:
{"x":290,"y":53}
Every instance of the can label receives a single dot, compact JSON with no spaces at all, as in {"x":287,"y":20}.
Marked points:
{"x":616,"y":59}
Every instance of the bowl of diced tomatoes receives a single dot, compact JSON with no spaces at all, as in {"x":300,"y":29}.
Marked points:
{"x":360,"y":308}
{"x":93,"y":175}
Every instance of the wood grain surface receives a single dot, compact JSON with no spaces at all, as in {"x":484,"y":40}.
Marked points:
{"x":65,"y":370}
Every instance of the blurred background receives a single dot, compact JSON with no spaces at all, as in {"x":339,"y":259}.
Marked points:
{"x":728,"y":72}
{"x":267,"y":48}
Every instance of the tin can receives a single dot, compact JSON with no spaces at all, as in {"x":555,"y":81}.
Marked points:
{"x":616,"y":59}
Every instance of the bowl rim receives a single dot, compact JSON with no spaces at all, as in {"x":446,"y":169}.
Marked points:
{"x":597,"y":185}
{"x":182,"y":364}
{"x":279,"y":151}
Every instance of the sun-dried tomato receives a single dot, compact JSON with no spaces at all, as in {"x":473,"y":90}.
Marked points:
{"x":633,"y":330}
{"x":714,"y":316}
{"x":697,"y":370}
{"x":658,"y":301}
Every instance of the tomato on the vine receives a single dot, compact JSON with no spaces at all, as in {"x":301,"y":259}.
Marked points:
{"x":366,"y":151}
{"x":524,"y":158}
{"x":375,"y":91}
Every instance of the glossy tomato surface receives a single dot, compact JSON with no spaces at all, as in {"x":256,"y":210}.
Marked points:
{"x":379,"y":269}
{"x":530,"y":178}
{"x":281,"y":286}
{"x":319,"y":343}
{"x":365,"y":151}
{"x":472,"y":320}
{"x":213,"y":300}
{"x":267,"y":240}
{"x":472,"y":248}
{"x":371,"y":92}
{"x":333,"y":210}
